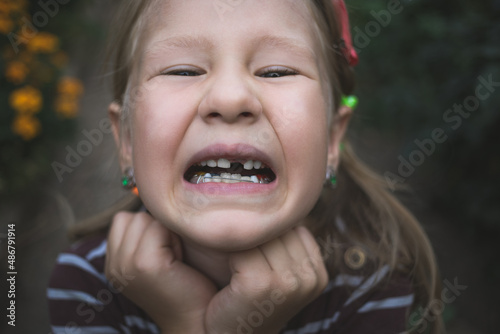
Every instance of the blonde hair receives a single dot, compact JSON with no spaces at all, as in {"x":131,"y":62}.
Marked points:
{"x":376,"y":221}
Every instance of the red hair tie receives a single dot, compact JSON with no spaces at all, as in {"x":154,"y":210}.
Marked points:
{"x":349,"y":51}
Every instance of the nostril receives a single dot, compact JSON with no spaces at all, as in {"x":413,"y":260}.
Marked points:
{"x":229,"y":116}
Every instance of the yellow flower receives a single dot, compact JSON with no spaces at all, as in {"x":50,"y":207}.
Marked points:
{"x":4,"y":7}
{"x":27,"y":127}
{"x":11,"y":12}
{"x":6,"y":25}
{"x":66,"y":106}
{"x":26,"y":100}
{"x":70,"y":87}
{"x":8,"y":6}
{"x":16,"y":72}
{"x":19,"y":4}
{"x":43,"y":42}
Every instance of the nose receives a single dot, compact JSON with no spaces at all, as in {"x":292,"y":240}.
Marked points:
{"x":230,"y":98}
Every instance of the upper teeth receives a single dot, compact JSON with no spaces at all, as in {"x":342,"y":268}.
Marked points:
{"x":224,"y":163}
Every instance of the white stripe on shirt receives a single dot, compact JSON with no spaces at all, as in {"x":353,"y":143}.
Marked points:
{"x":84,"y":330}
{"x":76,"y":261}
{"x":368,"y":284}
{"x":392,"y":302}
{"x":344,"y":280}
{"x":340,"y":225}
{"x":63,"y":294}
{"x":98,"y":251}
{"x":125,"y":329}
{"x":314,"y":327}
{"x":132,"y":320}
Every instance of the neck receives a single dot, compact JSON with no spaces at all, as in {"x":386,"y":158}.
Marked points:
{"x":213,"y":264}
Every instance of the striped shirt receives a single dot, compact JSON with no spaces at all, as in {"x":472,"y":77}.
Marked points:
{"x":82,"y":301}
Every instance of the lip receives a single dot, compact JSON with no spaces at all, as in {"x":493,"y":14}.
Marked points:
{"x":235,"y":152}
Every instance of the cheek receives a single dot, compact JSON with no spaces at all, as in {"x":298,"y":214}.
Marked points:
{"x":304,"y":130}
{"x":158,"y":127}
{"x":303,"y":134}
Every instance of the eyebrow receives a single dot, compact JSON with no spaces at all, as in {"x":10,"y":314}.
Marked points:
{"x":199,"y":42}
{"x":286,"y":43}
{"x":179,"y":42}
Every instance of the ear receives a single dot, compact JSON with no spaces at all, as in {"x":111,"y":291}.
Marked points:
{"x":337,"y":132}
{"x":121,"y":133}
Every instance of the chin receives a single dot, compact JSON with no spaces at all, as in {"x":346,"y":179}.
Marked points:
{"x":233,"y":230}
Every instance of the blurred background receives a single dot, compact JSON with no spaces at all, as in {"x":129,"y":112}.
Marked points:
{"x":429,"y":90}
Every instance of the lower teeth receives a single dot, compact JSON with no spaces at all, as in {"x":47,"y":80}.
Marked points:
{"x":202,"y":177}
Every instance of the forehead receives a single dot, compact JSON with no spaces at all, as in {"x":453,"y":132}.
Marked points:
{"x":203,"y":24}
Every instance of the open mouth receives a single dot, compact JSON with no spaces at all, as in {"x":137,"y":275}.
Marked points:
{"x":229,"y":171}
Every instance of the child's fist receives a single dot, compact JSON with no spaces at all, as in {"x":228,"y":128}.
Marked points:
{"x":269,"y":285}
{"x":174,"y":295}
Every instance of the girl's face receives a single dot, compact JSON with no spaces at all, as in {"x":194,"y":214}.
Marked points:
{"x":233,"y":89}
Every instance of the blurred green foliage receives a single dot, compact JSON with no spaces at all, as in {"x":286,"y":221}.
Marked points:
{"x":418,"y":66}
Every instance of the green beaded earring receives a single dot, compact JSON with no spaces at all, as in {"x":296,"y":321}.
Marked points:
{"x":128,"y":180}
{"x":350,"y":101}
{"x":331,"y":177}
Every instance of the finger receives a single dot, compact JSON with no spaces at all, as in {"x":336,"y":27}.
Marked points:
{"x":157,"y":242}
{"x":314,"y":255}
{"x":248,"y":261}
{"x":301,"y":268}
{"x":114,"y":239}
{"x":133,"y":233}
{"x":277,"y":255}
{"x":309,"y":243}
{"x":117,"y":230}
{"x":295,"y":246}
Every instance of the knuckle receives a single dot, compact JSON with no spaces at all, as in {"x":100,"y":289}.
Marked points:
{"x":143,"y":264}
{"x":303,"y":278}
{"x":260,"y":287}
{"x":144,"y":216}
{"x":263,"y":282}
{"x":309,"y":281}
{"x":290,"y":280}
{"x":122,"y":216}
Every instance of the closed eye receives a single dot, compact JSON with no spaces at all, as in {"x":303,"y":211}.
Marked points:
{"x":273,"y":72}
{"x":277,"y":72}
{"x":183,"y":72}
